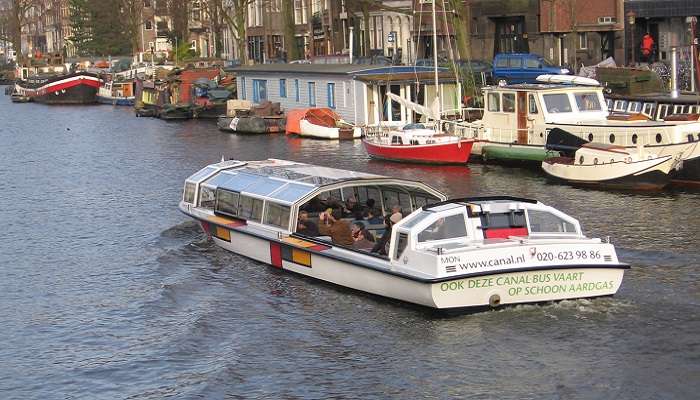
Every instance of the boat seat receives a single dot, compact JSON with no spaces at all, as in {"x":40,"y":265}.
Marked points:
{"x":504,"y":233}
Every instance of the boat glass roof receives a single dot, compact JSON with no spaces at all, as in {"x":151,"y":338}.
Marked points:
{"x":197,"y":176}
{"x":280,"y":180}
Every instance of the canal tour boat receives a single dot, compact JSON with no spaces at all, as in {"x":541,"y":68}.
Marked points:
{"x":74,"y":88}
{"x":445,"y":254}
{"x":518,"y":118}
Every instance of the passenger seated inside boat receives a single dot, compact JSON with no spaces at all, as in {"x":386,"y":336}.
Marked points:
{"x":334,"y":226}
{"x":381,"y":246}
{"x":374,"y":217}
{"x":362,"y":237}
{"x":305,"y":226}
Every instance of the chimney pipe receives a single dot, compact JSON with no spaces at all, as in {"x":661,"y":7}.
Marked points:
{"x":674,"y":73}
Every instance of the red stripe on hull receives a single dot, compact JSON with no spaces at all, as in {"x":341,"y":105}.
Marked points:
{"x":439,"y":153}
{"x":65,"y":85}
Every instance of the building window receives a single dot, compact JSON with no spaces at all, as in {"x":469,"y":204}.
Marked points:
{"x":259,"y":90}
{"x":149,"y":25}
{"x":296,"y":90}
{"x":583,"y":40}
{"x":299,"y":12}
{"x":243,"y":88}
{"x":312,"y":94}
{"x":283,"y":88}
{"x":146,"y":3}
{"x":331,"y":95}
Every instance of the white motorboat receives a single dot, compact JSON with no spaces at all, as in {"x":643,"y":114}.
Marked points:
{"x":463,"y":253}
{"x":612,"y":166}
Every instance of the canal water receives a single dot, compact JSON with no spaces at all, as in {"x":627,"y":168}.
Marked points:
{"x":107,"y":291}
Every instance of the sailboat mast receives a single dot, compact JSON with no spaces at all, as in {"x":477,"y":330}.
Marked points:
{"x":435,"y":61}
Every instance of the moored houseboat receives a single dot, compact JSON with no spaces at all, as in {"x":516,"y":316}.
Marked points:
{"x":117,"y":93}
{"x":73,"y":88}
{"x":456,"y":254}
{"x":518,"y":118}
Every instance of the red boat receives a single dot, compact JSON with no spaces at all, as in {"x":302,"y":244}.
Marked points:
{"x":419,"y":145}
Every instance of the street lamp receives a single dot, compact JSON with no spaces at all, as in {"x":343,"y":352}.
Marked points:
{"x":631,"y":17}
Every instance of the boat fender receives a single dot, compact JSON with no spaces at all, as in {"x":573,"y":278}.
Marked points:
{"x":494,"y":300}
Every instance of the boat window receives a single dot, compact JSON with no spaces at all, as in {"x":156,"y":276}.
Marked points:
{"x":202,"y":173}
{"x":366,"y":193}
{"x":557,"y":103}
{"x":612,"y":138}
{"x":663,"y":111}
{"x":648,"y":109}
{"x":514,"y":219}
{"x":546,"y":222}
{"x":276,"y":215}
{"x":494,"y":102}
{"x":634,"y":139}
{"x":265,"y":186}
{"x":237,"y":182}
{"x":620,"y":105}
{"x":401,"y":243}
{"x":508,"y":102}
{"x":207,"y":198}
{"x":227,"y":202}
{"x":405,"y":201}
{"x":416,"y":219}
{"x":292,"y":192}
{"x":188,"y":195}
{"x":609,"y":104}
{"x":532,"y":105}
{"x":396,"y":140}
{"x":677,"y":109}
{"x":420,"y":200}
{"x":590,"y":137}
{"x":634,"y":107}
{"x":580,"y":160}
{"x":391,"y":198}
{"x":658,"y":138}
{"x":587,"y":101}
{"x":250,"y":208}
{"x":452,"y":227}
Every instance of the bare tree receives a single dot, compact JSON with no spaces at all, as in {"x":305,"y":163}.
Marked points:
{"x":460,"y":21}
{"x":131,"y":18}
{"x":235,"y":15}
{"x":17,"y":14}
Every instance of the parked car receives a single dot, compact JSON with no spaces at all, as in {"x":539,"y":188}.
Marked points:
{"x":522,"y":68}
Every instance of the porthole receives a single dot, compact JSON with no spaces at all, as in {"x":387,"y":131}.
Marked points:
{"x":542,"y":135}
{"x":634,"y":139}
{"x":658,"y":138}
{"x":580,"y":160}
{"x":590,"y":137}
{"x":612,"y":138}
{"x":612,"y":160}
{"x":595,"y":161}
{"x":691,"y":138}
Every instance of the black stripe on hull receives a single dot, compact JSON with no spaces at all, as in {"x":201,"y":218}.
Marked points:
{"x":690,"y":172}
{"x":80,"y":94}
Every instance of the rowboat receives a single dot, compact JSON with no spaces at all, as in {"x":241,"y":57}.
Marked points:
{"x":320,"y":123}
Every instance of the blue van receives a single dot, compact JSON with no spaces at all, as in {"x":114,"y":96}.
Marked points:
{"x":522,"y":68}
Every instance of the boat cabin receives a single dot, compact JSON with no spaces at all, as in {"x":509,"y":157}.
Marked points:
{"x":269,"y":194}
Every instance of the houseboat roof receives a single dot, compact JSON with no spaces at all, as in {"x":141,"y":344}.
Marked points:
{"x":288,"y":181}
{"x":336,"y":69}
{"x":540,"y":87}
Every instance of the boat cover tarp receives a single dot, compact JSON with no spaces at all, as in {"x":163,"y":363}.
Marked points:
{"x":317,"y":116}
{"x":563,"y":141}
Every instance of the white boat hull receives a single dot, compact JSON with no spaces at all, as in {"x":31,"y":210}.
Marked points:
{"x":651,"y":173}
{"x":323,"y":132}
{"x":489,"y":287}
